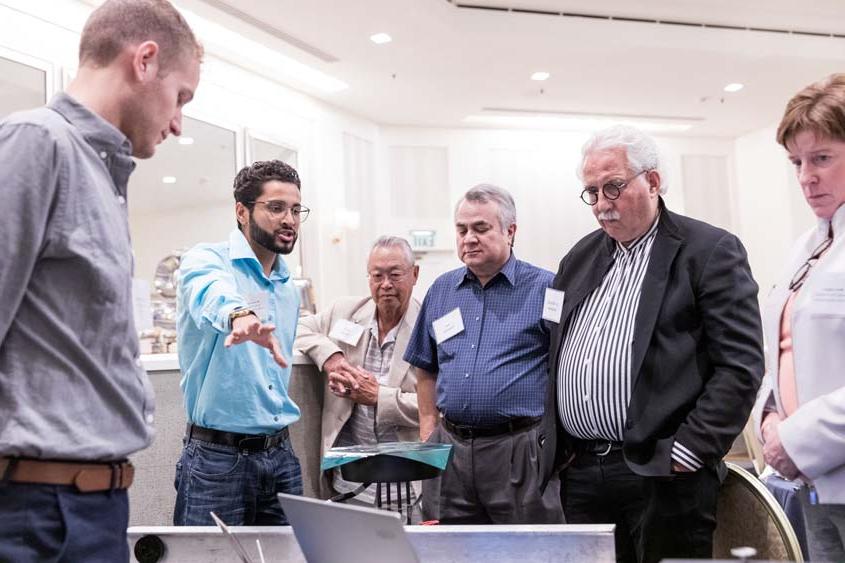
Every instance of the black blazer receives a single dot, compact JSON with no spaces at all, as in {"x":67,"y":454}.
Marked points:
{"x":697,"y":354}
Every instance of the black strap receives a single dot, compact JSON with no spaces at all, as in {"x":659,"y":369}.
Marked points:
{"x":250,"y":442}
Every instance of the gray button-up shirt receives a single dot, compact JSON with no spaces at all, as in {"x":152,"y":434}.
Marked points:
{"x":71,"y":382}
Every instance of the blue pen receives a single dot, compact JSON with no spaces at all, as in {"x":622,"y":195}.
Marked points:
{"x":814,"y":497}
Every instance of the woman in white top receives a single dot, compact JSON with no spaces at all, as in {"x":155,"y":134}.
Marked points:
{"x":800,"y":411}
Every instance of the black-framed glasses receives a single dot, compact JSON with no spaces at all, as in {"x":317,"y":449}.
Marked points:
{"x":804,"y":271}
{"x":278,"y":209}
{"x":611,"y":190}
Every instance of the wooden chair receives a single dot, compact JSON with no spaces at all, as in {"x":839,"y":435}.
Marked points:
{"x":749,"y":515}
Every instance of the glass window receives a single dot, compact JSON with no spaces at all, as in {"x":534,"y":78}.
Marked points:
{"x":182,"y":195}
{"x":21,"y":87}
{"x":265,"y":150}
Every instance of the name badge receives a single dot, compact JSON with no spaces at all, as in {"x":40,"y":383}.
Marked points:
{"x":346,"y":332}
{"x":448,"y":325}
{"x":553,"y":305}
{"x":828,"y":299}
{"x":259,"y":303}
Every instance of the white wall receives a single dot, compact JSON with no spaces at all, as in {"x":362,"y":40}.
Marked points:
{"x":761,"y":203}
{"x":538,"y":168}
{"x":771,"y":209}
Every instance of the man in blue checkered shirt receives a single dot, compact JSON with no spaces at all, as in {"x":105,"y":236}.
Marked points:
{"x":481,"y":351}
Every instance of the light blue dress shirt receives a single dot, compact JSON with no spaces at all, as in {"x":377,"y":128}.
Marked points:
{"x":238,"y":389}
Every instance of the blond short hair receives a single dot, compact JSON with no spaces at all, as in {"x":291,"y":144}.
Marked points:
{"x":820,"y":108}
{"x":118,"y":23}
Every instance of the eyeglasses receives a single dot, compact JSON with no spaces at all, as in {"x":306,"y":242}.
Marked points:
{"x":394,"y":276}
{"x":804,"y":271}
{"x":611,"y":190}
{"x":278,"y":209}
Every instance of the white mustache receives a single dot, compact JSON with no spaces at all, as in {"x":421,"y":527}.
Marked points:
{"x":611,"y":215}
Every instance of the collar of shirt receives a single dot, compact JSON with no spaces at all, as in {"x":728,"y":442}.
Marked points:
{"x":621,"y":248}
{"x":508,"y":273}
{"x":239,"y":249}
{"x":837,"y":223}
{"x":389,"y":337}
{"x":107,"y":140}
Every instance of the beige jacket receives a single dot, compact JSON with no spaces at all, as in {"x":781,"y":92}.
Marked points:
{"x":397,"y":400}
{"x":814,"y":435}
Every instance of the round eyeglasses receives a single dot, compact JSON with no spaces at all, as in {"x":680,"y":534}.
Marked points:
{"x":611,"y":190}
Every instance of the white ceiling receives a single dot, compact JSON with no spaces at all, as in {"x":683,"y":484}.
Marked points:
{"x":447,"y":62}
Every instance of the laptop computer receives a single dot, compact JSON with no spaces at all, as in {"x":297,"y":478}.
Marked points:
{"x":329,"y":532}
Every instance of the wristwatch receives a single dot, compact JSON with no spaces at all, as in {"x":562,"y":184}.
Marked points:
{"x":239,"y":312}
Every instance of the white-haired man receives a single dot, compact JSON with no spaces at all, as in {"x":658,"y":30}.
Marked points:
{"x":359,"y":342}
{"x":655,"y":361}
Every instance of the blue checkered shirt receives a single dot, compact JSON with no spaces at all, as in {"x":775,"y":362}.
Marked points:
{"x":496,"y":368}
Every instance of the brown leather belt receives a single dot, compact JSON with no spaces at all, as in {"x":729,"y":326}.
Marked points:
{"x":87,"y":477}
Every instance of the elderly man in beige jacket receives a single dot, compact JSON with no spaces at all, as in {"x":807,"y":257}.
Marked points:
{"x":359,"y":343}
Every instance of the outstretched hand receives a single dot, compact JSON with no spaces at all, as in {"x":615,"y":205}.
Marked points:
{"x":251,"y":329}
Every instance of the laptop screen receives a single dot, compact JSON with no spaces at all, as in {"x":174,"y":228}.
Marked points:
{"x":329,"y":532}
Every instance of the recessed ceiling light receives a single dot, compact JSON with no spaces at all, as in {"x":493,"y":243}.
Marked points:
{"x":540,"y":76}
{"x":186,"y":140}
{"x":734,"y":87}
{"x":380,"y":38}
{"x":168,"y":180}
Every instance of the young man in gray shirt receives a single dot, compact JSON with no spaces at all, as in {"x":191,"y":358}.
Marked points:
{"x":74,"y":398}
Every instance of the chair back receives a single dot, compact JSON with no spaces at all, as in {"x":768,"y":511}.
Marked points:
{"x":749,"y":515}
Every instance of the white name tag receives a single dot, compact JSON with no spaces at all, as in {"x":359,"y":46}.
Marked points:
{"x":553,"y":305}
{"x":448,"y":325}
{"x":828,"y":298}
{"x":259,"y":303}
{"x":346,"y":332}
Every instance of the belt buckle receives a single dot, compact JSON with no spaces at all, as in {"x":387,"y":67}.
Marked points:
{"x":245,"y":443}
{"x":607,"y":451}
{"x":116,"y":475}
{"x":461,"y":430}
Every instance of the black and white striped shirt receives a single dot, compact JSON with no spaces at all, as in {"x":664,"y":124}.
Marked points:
{"x":594,"y":369}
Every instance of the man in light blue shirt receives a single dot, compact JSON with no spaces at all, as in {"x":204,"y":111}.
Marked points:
{"x":238,"y":310}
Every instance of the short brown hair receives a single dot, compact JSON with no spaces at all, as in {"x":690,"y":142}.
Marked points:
{"x":820,"y":108}
{"x":118,"y":23}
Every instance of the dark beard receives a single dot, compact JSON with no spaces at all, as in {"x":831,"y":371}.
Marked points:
{"x":267,"y":239}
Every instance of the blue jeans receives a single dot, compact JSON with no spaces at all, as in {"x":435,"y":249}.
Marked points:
{"x":52,"y":523}
{"x":239,"y":486}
